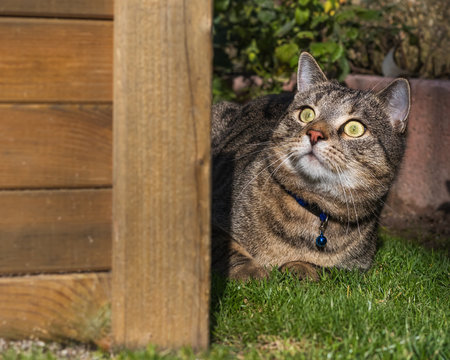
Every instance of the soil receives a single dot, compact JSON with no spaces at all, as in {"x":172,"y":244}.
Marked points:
{"x":430,"y":231}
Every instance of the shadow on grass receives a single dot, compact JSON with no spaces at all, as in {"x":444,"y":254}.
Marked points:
{"x":433,"y":241}
{"x":218,"y":286}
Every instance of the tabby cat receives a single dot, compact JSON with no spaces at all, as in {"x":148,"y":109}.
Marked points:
{"x":299,"y":180}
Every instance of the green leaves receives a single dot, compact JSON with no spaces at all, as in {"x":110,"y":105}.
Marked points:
{"x":305,"y":35}
{"x":287,"y":53}
{"x":351,"y":33}
{"x":301,"y":16}
{"x":221,"y":5}
{"x":320,"y":19}
{"x":265,"y":38}
{"x":282,"y":31}
{"x":252,"y":51}
{"x":367,"y":14}
{"x":333,"y":51}
{"x":320,"y":49}
{"x":266,"y":16}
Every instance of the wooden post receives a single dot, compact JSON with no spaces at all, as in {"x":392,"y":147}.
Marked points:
{"x":161,"y":188}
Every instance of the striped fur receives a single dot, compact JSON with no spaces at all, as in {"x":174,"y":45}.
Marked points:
{"x":262,"y":149}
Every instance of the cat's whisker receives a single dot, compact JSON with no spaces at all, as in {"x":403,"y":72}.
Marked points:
{"x":366,"y":173}
{"x":278,"y":167}
{"x":356,"y":213}
{"x":345,"y":198}
{"x":268,"y":156}
{"x":376,"y":85}
{"x":266,"y":149}
{"x":251,"y":153}
{"x":377,"y":200}
{"x":255,"y":177}
{"x":381,"y":185}
{"x":354,"y":207}
{"x":369,"y":188}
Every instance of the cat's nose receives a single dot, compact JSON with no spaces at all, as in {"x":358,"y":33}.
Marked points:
{"x":315,"y":136}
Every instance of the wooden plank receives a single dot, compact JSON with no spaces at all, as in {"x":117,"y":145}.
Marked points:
{"x":100,"y":9}
{"x":55,"y":231}
{"x":49,"y":307}
{"x":161,"y":241}
{"x":55,"y":146}
{"x":49,"y":60}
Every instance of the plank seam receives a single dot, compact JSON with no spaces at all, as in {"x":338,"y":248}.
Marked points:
{"x":57,"y":18}
{"x":55,"y":189}
{"x":65,"y":102}
{"x":5,"y":276}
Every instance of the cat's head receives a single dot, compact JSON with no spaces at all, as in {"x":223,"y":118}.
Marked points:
{"x":341,"y":144}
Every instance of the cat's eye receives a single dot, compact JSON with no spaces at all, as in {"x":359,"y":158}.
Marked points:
{"x":307,"y":115}
{"x":354,"y":129}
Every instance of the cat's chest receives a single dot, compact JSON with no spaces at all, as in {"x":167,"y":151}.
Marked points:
{"x":274,"y":215}
{"x":276,"y":229}
{"x":274,"y":240}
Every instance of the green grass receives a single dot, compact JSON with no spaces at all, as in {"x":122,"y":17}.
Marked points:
{"x":397,"y":310}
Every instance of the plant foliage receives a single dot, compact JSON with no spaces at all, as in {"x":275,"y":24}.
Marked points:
{"x":264,"y":38}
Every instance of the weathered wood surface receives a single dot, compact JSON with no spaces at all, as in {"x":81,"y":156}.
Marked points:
{"x":58,"y":8}
{"x":55,"y":231}
{"x":161,"y":206}
{"x":50,"y":60}
{"x":75,"y":306}
{"x":55,"y":146}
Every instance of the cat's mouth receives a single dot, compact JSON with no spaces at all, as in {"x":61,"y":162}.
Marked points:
{"x":313,"y":158}
{"x":313,"y":166}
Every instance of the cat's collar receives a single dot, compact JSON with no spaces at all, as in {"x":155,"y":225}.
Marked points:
{"x":321,"y":240}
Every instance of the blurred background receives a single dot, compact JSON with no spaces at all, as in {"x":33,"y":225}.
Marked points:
{"x":257,"y":42}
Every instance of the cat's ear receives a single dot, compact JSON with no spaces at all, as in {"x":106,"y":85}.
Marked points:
{"x":309,"y":72}
{"x":397,"y":100}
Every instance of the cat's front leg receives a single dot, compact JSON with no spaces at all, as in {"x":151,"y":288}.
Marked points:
{"x":232,"y":260}
{"x":246,"y":270}
{"x":301,"y":269}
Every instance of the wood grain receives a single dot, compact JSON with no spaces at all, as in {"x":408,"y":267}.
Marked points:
{"x":55,"y":146}
{"x":56,"y":307}
{"x":49,"y":60}
{"x":161,"y":241}
{"x":55,"y":231}
{"x":92,"y":9}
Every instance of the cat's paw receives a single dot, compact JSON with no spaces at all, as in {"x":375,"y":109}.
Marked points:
{"x":300,"y":269}
{"x":248,"y":271}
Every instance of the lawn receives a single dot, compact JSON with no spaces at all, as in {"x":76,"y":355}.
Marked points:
{"x":397,"y":310}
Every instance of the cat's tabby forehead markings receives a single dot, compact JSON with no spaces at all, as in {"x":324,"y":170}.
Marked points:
{"x":340,"y":156}
{"x":333,"y":103}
